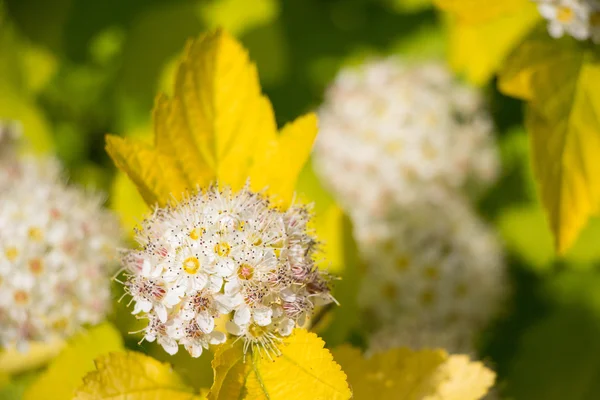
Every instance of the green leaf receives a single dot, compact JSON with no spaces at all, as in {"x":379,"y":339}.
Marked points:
{"x":64,"y":374}
{"x":558,"y":358}
{"x":561,"y":82}
{"x":304,"y":370}
{"x":133,"y":376}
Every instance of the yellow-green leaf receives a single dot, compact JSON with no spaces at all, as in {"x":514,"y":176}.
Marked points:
{"x":561,"y":82}
{"x":214,"y":128}
{"x":133,"y":376}
{"x":279,"y":166}
{"x":65,"y":372}
{"x":237,"y":16}
{"x":479,"y":50}
{"x":304,"y":370}
{"x":414,"y":375}
{"x":155,"y":174}
{"x":13,"y":361}
{"x":476,"y":11}
{"x":219,"y":96}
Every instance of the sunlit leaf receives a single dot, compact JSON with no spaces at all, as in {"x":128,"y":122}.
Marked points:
{"x":215,"y":127}
{"x":414,"y":375}
{"x":133,"y":376}
{"x":304,"y":370}
{"x":279,"y":166}
{"x":157,"y":177}
{"x":479,"y":50}
{"x":13,"y":361}
{"x":64,"y":374}
{"x":474,"y":11}
{"x":562,"y":84}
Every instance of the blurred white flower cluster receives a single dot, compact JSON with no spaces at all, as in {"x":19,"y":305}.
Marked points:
{"x":403,"y":147}
{"x":577,"y":18}
{"x":56,"y":248}
{"x":223,"y":253}
{"x":389,"y":130}
{"x":435,"y":276}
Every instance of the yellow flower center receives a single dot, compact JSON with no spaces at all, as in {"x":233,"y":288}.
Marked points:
{"x":191,"y":265}
{"x":432,"y":273}
{"x":565,"y":14}
{"x":402,"y":263}
{"x":35,"y":266}
{"x":222,"y":249}
{"x":245,"y":272}
{"x":196,"y":233}
{"x":35,"y":233}
{"x":11,"y":253}
{"x":427,"y":297}
{"x":21,"y":297}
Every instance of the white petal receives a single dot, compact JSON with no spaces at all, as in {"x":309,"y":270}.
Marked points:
{"x":205,"y":322}
{"x":232,"y":287}
{"x":225,"y":267}
{"x":215,"y":283}
{"x":286,"y":327}
{"x":199,"y":281}
{"x":161,"y":312}
{"x":262,"y":315}
{"x":226,"y":304}
{"x":235,"y":329}
{"x":169,"y":345}
{"x":174,"y":295}
{"x":242,"y":315}
{"x":217,"y":337}
{"x":195,"y":350}
{"x":141,"y":305}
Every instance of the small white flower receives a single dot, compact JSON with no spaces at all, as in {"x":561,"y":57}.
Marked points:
{"x":577,"y":18}
{"x":223,"y":253}
{"x":56,"y":247}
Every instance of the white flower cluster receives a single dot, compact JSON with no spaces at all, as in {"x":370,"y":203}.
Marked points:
{"x":56,"y":245}
{"x":436,"y":274}
{"x":389,"y":129}
{"x":577,"y":18}
{"x":223,"y":253}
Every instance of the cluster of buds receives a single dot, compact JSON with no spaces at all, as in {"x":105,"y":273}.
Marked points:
{"x":56,"y":249}
{"x":224,"y":255}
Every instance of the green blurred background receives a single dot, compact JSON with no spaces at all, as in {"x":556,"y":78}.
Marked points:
{"x":73,"y":70}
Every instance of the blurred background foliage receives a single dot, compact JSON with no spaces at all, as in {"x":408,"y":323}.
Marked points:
{"x":74,"y":70}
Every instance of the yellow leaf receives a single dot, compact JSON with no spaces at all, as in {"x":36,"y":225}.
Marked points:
{"x":13,"y":361}
{"x":476,"y":11}
{"x":479,"y":50}
{"x":64,"y":374}
{"x":217,"y":127}
{"x":156,"y":175}
{"x":219,"y":96}
{"x":561,"y":81}
{"x":304,"y":370}
{"x":414,"y":375}
{"x":133,"y":376}
{"x":462,"y":379}
{"x":280,"y":165}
